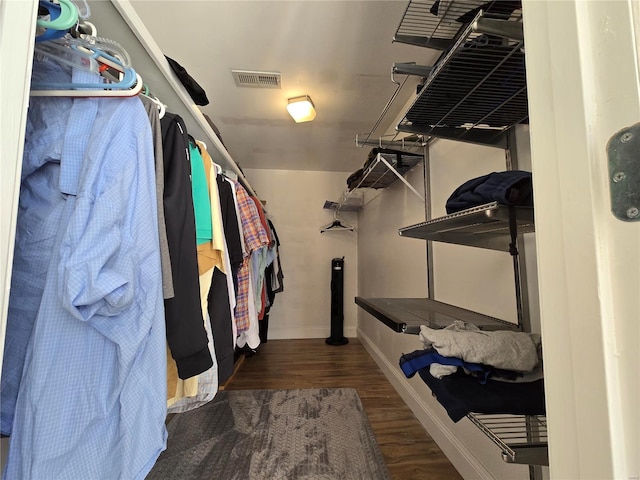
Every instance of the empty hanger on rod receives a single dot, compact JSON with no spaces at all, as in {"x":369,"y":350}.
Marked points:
{"x":337,"y":225}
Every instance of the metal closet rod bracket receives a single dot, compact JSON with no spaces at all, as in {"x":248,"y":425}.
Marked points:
{"x":404,"y":143}
{"x":411,"y":69}
{"x":387,"y":106}
{"x":501,"y":28}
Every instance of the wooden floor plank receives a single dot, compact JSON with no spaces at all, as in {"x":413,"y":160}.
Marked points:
{"x":408,"y":449}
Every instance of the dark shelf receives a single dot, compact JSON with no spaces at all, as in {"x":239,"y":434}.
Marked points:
{"x":405,"y":315}
{"x":484,"y":226}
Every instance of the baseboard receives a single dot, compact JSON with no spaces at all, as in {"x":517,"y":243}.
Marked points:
{"x":457,"y":452}
{"x":289,"y":333}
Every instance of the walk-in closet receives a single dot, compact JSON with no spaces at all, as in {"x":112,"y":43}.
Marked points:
{"x":432,"y":272}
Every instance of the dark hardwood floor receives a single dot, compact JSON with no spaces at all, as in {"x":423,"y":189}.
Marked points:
{"x":408,"y":449}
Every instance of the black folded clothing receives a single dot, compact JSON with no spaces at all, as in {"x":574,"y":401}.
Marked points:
{"x":513,"y":187}
{"x":197,"y":93}
{"x":461,"y":394}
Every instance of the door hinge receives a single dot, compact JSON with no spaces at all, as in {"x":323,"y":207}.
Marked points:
{"x":623,"y":152}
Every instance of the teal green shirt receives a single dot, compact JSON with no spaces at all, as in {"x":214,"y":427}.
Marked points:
{"x":200,"y":192}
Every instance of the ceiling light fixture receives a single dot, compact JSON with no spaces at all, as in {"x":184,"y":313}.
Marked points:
{"x":301,"y":109}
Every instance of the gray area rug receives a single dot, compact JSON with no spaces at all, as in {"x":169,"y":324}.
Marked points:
{"x":319,"y":434}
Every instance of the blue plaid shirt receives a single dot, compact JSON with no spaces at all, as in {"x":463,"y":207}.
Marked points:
{"x":92,"y":395}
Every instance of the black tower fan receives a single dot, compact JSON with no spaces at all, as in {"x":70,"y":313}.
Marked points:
{"x":337,"y":312}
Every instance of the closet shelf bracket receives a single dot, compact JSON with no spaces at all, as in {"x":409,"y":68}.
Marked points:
{"x":400,"y":177}
{"x":381,"y":173}
{"x":501,"y":28}
{"x":419,"y":41}
{"x":391,"y":107}
{"x":408,"y":143}
{"x":412,"y":69}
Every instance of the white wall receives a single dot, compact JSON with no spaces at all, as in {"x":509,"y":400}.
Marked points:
{"x":474,"y":278}
{"x":478,"y":279}
{"x":294,"y":204}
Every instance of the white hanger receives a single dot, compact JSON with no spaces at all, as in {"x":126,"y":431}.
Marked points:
{"x":91,"y":93}
{"x":83,"y":54}
{"x":162,"y":108}
{"x":337,"y":225}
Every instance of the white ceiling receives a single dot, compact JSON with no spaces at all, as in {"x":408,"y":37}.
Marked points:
{"x":338,"y":52}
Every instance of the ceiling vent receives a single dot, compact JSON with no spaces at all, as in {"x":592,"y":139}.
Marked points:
{"x":251,"y":78}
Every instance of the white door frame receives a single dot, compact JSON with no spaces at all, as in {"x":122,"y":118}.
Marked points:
{"x":582,"y":80}
{"x":17,"y":34}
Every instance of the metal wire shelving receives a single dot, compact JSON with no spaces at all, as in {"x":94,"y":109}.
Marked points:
{"x":477,"y":89}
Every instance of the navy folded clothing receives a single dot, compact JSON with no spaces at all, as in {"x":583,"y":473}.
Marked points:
{"x":513,"y":187}
{"x":461,"y":394}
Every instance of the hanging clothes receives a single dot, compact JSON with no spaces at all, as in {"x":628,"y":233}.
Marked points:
{"x":273,"y":279}
{"x":39,"y":214}
{"x":255,"y":238}
{"x":260,"y":260}
{"x":220,"y":297}
{"x":199,"y":389}
{"x":200,"y":194}
{"x":250,"y":337}
{"x":156,"y":131}
{"x":224,"y":332}
{"x":196,"y":391}
{"x":92,"y":397}
{"x":277,"y":280}
{"x":230,"y":222}
{"x":186,"y":335}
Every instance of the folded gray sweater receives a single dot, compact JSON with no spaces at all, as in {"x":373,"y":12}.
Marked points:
{"x":509,"y":350}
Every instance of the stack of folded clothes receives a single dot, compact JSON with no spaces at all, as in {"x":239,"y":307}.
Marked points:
{"x":471,"y":370}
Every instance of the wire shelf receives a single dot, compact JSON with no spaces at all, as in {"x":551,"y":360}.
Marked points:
{"x":484,"y":226}
{"x":476,"y":91}
{"x":436,"y":23}
{"x":522,"y":438}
